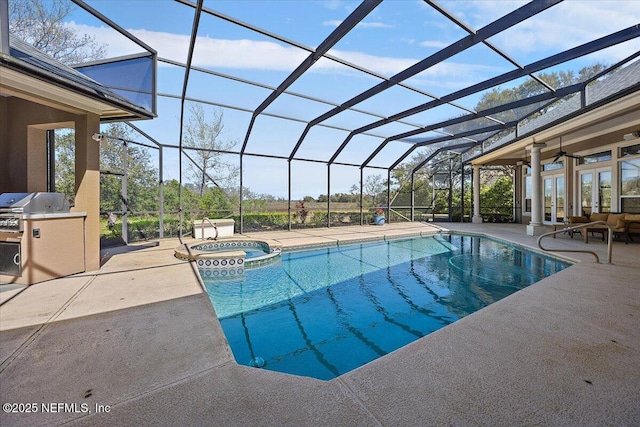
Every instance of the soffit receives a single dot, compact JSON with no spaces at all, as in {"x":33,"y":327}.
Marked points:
{"x":599,"y":126}
{"x":18,"y":84}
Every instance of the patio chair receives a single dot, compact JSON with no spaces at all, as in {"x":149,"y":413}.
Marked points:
{"x":627,"y":227}
{"x":598,"y":228}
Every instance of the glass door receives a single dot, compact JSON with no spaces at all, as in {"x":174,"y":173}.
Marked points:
{"x":595,"y":191}
{"x":604,"y":191}
{"x":554,"y":199}
{"x":586,"y":193}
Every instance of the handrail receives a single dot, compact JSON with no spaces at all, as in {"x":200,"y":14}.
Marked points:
{"x":577,"y":227}
{"x":202,"y":228}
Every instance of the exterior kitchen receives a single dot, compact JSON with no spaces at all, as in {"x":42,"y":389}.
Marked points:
{"x":43,"y":235}
{"x":39,"y":229}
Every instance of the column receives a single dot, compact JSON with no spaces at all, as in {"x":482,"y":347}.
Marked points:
{"x":477,"y":219}
{"x":87,"y":199}
{"x":535,"y":227}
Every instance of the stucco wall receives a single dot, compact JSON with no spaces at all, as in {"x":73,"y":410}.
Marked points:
{"x":23,"y":159}
{"x":23,"y":143}
{"x":4,"y":146}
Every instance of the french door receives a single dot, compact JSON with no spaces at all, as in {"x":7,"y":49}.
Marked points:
{"x":553,"y":187}
{"x":595,"y":190}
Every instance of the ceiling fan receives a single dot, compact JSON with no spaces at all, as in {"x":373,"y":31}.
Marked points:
{"x":562,"y":153}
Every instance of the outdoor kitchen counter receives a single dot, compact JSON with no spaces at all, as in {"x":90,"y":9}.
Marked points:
{"x":54,"y":215}
{"x":51,"y":245}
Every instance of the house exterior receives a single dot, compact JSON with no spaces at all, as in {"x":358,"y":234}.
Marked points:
{"x":579,"y":157}
{"x":39,"y":95}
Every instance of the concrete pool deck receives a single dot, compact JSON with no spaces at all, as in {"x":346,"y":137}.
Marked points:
{"x":140,"y":337}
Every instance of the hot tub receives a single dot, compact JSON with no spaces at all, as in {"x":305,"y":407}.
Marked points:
{"x":229,"y":258}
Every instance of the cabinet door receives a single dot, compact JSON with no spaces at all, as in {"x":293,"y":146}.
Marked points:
{"x":10,"y":263}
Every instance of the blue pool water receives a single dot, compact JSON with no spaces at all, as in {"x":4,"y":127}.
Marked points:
{"x":324,"y":312}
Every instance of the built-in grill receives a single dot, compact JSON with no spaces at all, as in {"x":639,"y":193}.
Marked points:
{"x":40,"y":238}
{"x":13,"y":206}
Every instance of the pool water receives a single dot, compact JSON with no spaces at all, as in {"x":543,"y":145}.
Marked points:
{"x":325,"y":312}
{"x":253,"y":253}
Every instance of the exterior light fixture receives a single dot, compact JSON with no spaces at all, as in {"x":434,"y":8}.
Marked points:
{"x":97,"y":137}
{"x":632,"y":135}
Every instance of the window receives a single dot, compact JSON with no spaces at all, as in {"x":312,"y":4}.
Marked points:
{"x":632,"y":150}
{"x":630,"y":177}
{"x":594,"y":158}
{"x":553,"y":166}
{"x":630,"y":185}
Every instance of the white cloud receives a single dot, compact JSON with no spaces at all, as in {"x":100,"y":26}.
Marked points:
{"x":433,"y":43}
{"x":332,"y":4}
{"x":557,"y":29}
{"x":335,"y":23}
{"x":258,"y":55}
{"x":561,"y":27}
{"x":374,"y":25}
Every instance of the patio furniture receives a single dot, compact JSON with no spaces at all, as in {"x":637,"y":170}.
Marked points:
{"x":572,"y":221}
{"x":627,"y":227}
{"x":624,"y":225}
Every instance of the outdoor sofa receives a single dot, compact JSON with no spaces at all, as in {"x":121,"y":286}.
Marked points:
{"x":625,"y":225}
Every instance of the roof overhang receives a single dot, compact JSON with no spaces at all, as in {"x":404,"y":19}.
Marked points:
{"x":24,"y":81}
{"x":596,"y":127}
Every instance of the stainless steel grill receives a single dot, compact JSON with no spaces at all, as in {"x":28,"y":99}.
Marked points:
{"x":14,"y":205}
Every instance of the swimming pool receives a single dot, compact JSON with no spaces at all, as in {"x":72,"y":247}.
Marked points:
{"x":324,"y":312}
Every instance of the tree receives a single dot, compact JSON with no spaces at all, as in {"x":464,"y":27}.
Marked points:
{"x":206,"y":136}
{"x":40,"y":23}
{"x":65,"y":163}
{"x":530,"y":87}
{"x":373,"y":186}
{"x":142,"y":176}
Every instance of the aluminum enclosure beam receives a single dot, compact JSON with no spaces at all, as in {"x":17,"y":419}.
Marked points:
{"x":585,"y":49}
{"x":192,"y":42}
{"x":336,"y":35}
{"x":521,"y":14}
{"x":568,"y":55}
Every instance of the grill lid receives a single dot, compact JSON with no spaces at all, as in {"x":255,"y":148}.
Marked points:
{"x":33,"y":202}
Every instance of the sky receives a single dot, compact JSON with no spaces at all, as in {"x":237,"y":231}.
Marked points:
{"x":394,"y":36}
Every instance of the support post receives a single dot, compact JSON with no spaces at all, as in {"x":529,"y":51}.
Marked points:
{"x":328,"y":195}
{"x":289,"y":195}
{"x":241,"y":195}
{"x":461,"y":189}
{"x":160,"y":194}
{"x":477,"y":218}
{"x":361,"y":199}
{"x":450,"y":198}
{"x":413,"y":196}
{"x":87,"y":186}
{"x":535,"y":227}
{"x":124,"y":193}
{"x":389,"y":195}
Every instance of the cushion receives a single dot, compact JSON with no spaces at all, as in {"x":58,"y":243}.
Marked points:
{"x":622,"y":223}
{"x":612,"y":219}
{"x":599,"y":217}
{"x":635,"y":227}
{"x":577,"y":219}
